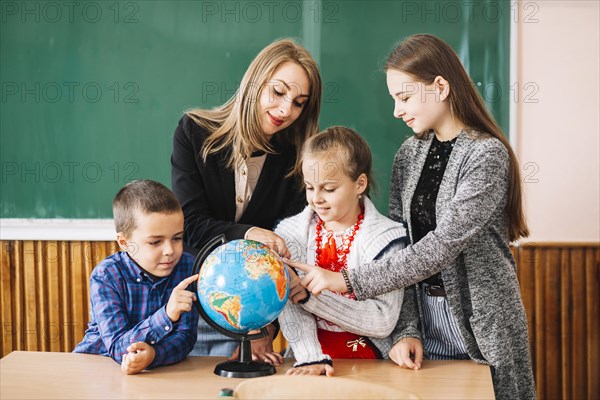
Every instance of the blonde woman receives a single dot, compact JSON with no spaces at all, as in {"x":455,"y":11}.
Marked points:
{"x":235,"y":168}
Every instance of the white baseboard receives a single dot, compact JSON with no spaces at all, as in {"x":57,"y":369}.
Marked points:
{"x":57,"y":229}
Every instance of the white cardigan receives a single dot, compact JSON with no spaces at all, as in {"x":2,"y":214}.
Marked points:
{"x":375,"y":318}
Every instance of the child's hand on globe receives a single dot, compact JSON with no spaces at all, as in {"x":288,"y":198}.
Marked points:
{"x":181,"y":300}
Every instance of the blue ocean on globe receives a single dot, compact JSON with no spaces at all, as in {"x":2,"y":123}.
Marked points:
{"x":243,"y":285}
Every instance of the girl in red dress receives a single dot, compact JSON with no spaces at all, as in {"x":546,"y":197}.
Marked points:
{"x":340,"y":229}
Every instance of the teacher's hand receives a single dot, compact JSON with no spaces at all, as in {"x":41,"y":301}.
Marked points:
{"x":262,"y":349}
{"x":269,"y":238}
{"x":318,"y":279}
{"x":297,"y":291}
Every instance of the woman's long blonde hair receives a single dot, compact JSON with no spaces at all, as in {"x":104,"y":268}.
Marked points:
{"x":235,"y":126}
{"x":424,"y":57}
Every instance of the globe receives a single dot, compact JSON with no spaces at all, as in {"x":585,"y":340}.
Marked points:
{"x":243,"y":285}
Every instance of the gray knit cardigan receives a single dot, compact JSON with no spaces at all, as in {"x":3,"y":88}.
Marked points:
{"x":375,"y":317}
{"x":470,"y":248}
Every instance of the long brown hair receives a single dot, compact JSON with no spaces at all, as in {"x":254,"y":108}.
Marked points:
{"x":235,"y":125}
{"x":424,"y":57}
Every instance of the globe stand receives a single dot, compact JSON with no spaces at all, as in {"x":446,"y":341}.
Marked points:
{"x":243,"y":367}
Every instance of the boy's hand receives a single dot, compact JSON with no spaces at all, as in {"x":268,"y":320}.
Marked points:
{"x":315,"y":369}
{"x":139,"y":356}
{"x":408,"y":353}
{"x":181,"y":300}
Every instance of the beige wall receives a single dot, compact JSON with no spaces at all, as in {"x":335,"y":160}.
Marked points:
{"x":557,"y":138}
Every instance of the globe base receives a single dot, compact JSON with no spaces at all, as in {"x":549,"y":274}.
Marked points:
{"x":239,"y":369}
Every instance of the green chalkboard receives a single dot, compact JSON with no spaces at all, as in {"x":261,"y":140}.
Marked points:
{"x":92,"y":90}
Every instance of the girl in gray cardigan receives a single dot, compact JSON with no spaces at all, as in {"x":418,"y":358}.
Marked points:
{"x":457,"y":186}
{"x":339,"y":230}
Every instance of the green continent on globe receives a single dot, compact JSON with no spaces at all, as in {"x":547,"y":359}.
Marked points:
{"x":229,"y":306}
{"x":258,"y":265}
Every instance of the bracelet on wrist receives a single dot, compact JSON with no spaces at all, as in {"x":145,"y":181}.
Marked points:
{"x":347,"y":280}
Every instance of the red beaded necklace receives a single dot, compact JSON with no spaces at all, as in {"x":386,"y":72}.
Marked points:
{"x":329,"y":256}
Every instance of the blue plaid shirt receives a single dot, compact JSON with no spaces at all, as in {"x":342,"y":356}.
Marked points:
{"x":128,"y":306}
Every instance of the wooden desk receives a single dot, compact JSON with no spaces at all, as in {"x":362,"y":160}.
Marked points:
{"x":38,"y":375}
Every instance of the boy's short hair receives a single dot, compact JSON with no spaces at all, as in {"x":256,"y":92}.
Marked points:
{"x":144,"y":196}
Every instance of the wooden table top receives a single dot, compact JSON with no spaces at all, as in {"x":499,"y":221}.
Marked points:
{"x":40,"y":375}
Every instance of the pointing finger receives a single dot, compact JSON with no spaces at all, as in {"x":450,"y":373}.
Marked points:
{"x":298,"y":265}
{"x":186,"y":282}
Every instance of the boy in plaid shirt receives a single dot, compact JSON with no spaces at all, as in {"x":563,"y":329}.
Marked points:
{"x":141,"y":312}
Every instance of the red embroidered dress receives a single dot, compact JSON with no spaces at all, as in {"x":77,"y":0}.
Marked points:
{"x":329,"y":256}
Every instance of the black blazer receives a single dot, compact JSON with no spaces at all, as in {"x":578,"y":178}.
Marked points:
{"x":206,"y":191}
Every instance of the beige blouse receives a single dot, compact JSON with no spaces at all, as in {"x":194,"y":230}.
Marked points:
{"x":246,"y":177}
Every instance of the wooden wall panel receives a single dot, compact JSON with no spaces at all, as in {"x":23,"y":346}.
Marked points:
{"x":44,"y":305}
{"x":592,"y":339}
{"x":7,"y":298}
{"x":44,"y":299}
{"x":53,"y":298}
{"x":559,"y":285}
